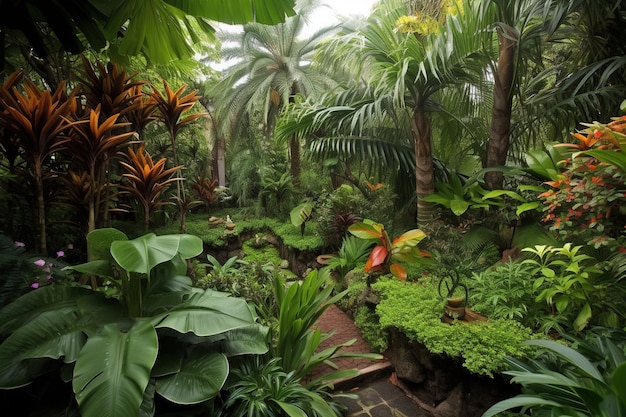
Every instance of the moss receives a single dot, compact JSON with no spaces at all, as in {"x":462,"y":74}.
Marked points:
{"x":416,"y":309}
{"x":292,"y":237}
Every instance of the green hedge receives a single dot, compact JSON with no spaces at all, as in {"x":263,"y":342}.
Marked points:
{"x":416,"y":310}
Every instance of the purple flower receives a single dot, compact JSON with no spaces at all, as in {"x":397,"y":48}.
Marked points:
{"x":34,"y":285}
{"x":60,"y":253}
{"x":19,"y":244}
{"x":49,"y":277}
{"x":40,"y":262}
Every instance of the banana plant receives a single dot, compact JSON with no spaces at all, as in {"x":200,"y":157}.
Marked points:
{"x":158,"y":335}
{"x":386,"y":254}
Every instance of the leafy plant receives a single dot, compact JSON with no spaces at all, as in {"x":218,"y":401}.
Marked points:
{"x":39,"y":122}
{"x":161,"y":335}
{"x":260,"y":389}
{"x":296,"y":340}
{"x":147,"y":181}
{"x":300,"y":214}
{"x":565,"y":281}
{"x":587,"y":381}
{"x":353,"y":252}
{"x":415,"y":309}
{"x":275,"y":192}
{"x":387,"y":253}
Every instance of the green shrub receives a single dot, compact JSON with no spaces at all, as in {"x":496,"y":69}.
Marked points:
{"x":372,"y":332}
{"x":506,"y":291}
{"x":416,"y":309}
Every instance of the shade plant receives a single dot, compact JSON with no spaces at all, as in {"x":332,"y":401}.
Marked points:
{"x":588,"y":379}
{"x":156,"y":334}
{"x":387,"y":254}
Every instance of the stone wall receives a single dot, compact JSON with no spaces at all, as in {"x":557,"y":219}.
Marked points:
{"x":442,"y":384}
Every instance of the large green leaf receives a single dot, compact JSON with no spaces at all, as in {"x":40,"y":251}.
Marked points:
{"x":200,"y":378}
{"x":518,"y":401}
{"x":60,"y":299}
{"x":205,"y":314}
{"x":99,"y":243}
{"x":144,"y":253}
{"x":113,"y":370}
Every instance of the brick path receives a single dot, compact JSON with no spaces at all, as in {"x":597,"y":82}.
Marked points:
{"x":376,"y":395}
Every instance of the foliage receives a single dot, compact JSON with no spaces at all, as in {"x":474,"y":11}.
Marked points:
{"x":416,"y":309}
{"x":385,"y":255}
{"x":147,"y":181}
{"x":586,"y":202}
{"x":277,"y":191}
{"x":506,"y":292}
{"x":353,"y":253}
{"x":293,"y":239}
{"x":264,"y":389}
{"x":119,"y":347}
{"x":587,"y":380}
{"x":300,"y":214}
{"x":371,"y":330}
{"x":296,"y":340}
{"x":567,"y":281}
{"x":336,"y":212}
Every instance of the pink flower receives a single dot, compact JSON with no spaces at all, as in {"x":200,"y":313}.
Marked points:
{"x":34,"y":285}
{"x":60,"y":254}
{"x":40,"y":262}
{"x":19,"y":244}
{"x":49,"y":277}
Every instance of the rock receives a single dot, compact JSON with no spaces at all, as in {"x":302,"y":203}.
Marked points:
{"x":284,"y":264}
{"x":453,"y":405}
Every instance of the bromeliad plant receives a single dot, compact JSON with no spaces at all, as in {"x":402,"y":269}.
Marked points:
{"x":159,"y":334}
{"x":385,"y":256}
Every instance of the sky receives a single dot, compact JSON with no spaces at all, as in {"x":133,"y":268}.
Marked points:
{"x":324,"y":16}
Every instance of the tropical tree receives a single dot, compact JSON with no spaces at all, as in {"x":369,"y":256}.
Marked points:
{"x":273,"y":64}
{"x":38,"y":121}
{"x":410,"y":68}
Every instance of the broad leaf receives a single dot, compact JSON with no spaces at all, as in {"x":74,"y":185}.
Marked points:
{"x":376,"y":258}
{"x":113,"y":370}
{"x":200,"y":378}
{"x":99,"y":243}
{"x":205,"y":314}
{"x":412,"y":237}
{"x":398,"y":271}
{"x":459,"y":207}
{"x":291,"y":410}
{"x":144,"y":253}
{"x":366,"y":231}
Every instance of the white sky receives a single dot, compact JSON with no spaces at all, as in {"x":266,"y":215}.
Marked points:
{"x":343,"y":8}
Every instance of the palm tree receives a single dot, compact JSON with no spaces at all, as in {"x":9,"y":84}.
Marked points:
{"x":409,"y":71}
{"x":273,"y":64}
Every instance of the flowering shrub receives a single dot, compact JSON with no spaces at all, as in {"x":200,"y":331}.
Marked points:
{"x":587,"y":204}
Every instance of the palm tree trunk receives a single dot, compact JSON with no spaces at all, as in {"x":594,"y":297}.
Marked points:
{"x":498,"y":143}
{"x":424,"y":167}
{"x":295,"y":167}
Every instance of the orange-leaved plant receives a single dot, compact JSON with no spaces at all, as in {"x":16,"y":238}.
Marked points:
{"x":387,"y":253}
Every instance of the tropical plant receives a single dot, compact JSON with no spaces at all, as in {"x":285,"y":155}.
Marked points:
{"x":147,"y":181}
{"x":386,"y":254}
{"x":95,"y":142}
{"x":273,"y":64}
{"x":408,"y":70}
{"x":300,"y":214}
{"x":353,"y":252}
{"x":588,"y":380}
{"x":264,"y":389}
{"x":567,"y":281}
{"x":38,"y":120}
{"x":137,"y":344}
{"x":276,"y":192}
{"x":297,"y":341}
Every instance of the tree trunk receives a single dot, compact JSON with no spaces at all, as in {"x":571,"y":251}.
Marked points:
{"x":500,"y":130}
{"x":41,"y":208}
{"x":218,"y":163}
{"x":294,"y":150}
{"x":424,"y":167}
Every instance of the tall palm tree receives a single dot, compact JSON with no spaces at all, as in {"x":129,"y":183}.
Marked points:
{"x":273,"y":64}
{"x":409,"y":71}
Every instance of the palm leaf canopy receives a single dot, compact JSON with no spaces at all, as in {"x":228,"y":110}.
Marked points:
{"x":163,"y":30}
